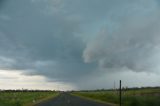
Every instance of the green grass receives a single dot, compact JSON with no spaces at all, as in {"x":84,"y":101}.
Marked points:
{"x":141,"y":97}
{"x":24,"y":98}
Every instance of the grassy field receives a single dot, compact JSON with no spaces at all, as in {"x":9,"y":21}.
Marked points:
{"x":24,"y":98}
{"x":134,"y":97}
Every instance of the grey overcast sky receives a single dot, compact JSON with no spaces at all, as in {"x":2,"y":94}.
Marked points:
{"x":79,"y":44}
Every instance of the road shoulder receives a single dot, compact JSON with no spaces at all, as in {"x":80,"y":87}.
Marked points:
{"x":94,"y":100}
{"x":43,"y":100}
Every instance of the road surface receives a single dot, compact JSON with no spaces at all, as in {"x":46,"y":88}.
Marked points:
{"x":65,"y":99}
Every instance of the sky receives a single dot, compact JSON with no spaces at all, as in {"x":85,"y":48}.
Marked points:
{"x":79,"y":44}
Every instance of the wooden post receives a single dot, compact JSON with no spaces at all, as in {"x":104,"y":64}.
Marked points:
{"x":114,"y":86}
{"x":120,"y":93}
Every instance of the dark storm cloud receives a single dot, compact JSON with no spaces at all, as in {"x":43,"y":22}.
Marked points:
{"x":42,"y":43}
{"x":56,"y":38}
{"x":2,"y":3}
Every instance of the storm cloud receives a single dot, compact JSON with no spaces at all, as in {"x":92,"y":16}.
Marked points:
{"x":68,"y":41}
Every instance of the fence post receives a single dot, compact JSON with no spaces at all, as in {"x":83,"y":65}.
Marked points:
{"x":120,"y":93}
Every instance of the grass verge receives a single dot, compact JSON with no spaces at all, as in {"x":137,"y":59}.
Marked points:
{"x":24,"y":98}
{"x":140,"y":97}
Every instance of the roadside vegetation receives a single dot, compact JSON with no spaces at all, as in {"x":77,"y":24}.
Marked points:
{"x":130,"y":97}
{"x":24,"y":98}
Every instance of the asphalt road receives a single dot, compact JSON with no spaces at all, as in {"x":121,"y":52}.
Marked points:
{"x":65,"y":99}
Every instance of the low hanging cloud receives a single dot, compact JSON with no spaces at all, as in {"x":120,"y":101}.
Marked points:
{"x":134,"y":43}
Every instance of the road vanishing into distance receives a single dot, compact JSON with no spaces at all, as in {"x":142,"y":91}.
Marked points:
{"x":65,"y":99}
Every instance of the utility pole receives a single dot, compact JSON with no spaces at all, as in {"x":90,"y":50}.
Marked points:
{"x":120,"y":93}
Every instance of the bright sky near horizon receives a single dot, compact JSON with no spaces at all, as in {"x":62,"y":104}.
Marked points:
{"x":79,"y":44}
